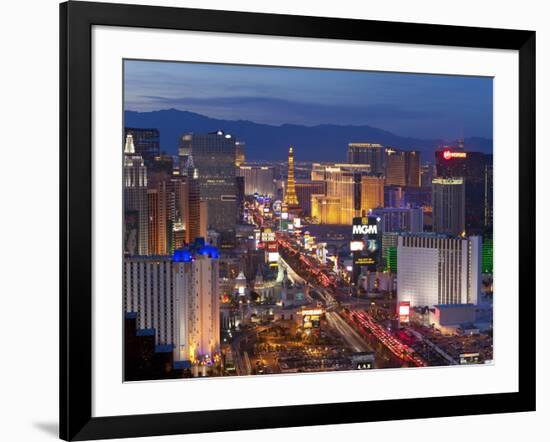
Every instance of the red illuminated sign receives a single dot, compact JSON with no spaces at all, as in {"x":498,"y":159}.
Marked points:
{"x":447,"y":154}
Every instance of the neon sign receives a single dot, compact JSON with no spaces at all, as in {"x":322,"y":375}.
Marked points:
{"x":447,"y":154}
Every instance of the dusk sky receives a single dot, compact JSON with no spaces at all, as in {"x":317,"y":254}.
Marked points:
{"x":416,"y":105}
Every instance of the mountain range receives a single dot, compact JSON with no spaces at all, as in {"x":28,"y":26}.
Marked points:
{"x":325,"y":142}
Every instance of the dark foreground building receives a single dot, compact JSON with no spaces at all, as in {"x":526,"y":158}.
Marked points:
{"x":143,"y":360}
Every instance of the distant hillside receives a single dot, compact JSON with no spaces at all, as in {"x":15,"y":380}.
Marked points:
{"x":325,"y":142}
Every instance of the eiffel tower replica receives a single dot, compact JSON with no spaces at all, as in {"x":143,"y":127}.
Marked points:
{"x":291,"y":199}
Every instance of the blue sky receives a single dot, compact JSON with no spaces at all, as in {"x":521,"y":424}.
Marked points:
{"x":416,"y":105}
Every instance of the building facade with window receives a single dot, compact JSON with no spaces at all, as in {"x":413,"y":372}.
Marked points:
{"x":177,"y":298}
{"x":438,"y":269}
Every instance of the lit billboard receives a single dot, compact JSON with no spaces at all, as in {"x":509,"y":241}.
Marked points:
{"x":364,"y":260}
{"x":267,"y":235}
{"x":365,"y":244}
{"x":403,"y":311}
{"x":312,"y":318}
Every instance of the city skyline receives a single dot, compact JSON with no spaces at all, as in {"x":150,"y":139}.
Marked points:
{"x":240,"y":262}
{"x":414,"y":105}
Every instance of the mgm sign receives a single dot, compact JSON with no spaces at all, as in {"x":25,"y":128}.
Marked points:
{"x":365,"y":226}
{"x":365,"y":229}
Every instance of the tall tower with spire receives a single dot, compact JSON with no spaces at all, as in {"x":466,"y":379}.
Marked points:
{"x":290,"y":192}
{"x":136,"y":238}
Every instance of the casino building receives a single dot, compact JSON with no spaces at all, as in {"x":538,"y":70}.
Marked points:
{"x":351,"y":191}
{"x":214,"y":162}
{"x":258,"y":179}
{"x":136,"y":240}
{"x":475,"y":168}
{"x":402,"y":167}
{"x":437,"y":269}
{"x":176,"y":298}
{"x":367,"y":153}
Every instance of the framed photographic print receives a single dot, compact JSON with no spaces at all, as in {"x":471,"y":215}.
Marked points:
{"x":272,"y":220}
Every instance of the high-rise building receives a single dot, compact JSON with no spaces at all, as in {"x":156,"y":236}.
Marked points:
{"x":189,"y":207}
{"x":396,"y":167}
{"x":160,"y":168}
{"x":413,"y":168}
{"x":475,"y":168}
{"x":203,"y":219}
{"x":437,"y":269}
{"x":448,"y":205}
{"x":203,"y":316}
{"x":290,"y":197}
{"x":372,"y":192}
{"x":427,"y":173}
{"x":155,"y":235}
{"x":343,"y":184}
{"x":189,"y":212}
{"x":177,"y":298}
{"x":146,"y":143}
{"x":240,"y":196}
{"x":326,"y":209}
{"x":161,"y":202}
{"x":239,"y":153}
{"x":367,"y":153}
{"x":135,"y":201}
{"x":394,"y":196}
{"x":400,"y":219}
{"x":258,"y":179}
{"x":402,"y":167}
{"x":417,"y":196}
{"x":304,"y":190}
{"x":214,"y":159}
{"x":356,"y":189}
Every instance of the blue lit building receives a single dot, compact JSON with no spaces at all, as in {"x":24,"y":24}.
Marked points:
{"x":176,"y":298}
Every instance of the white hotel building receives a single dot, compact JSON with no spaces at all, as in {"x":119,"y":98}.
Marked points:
{"x":437,"y":269}
{"x":179,"y":299}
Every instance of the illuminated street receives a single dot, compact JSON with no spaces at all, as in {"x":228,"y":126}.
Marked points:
{"x":349,"y":325}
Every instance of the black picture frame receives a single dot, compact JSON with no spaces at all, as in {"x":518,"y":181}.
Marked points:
{"x":76,"y":21}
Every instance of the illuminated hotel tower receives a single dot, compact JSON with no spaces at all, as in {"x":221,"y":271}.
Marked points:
{"x":290,"y":192}
{"x":177,"y":298}
{"x":135,"y":201}
{"x":434,"y":268}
